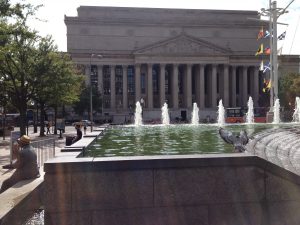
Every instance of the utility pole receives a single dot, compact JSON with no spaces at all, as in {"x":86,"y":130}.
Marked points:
{"x":274,"y":13}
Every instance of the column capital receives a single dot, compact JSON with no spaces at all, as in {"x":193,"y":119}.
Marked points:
{"x":124,"y":67}
{"x":137,"y":65}
{"x":162,"y":65}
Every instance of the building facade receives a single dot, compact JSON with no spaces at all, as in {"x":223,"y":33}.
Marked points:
{"x":177,"y":56}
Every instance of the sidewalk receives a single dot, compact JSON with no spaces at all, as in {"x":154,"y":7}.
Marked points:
{"x":5,"y":147}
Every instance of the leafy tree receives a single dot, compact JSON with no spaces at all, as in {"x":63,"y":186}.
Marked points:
{"x":15,"y":68}
{"x":289,"y":88}
{"x":83,"y":105}
{"x":30,"y":66}
{"x":57,"y":80}
{"x":17,"y":42}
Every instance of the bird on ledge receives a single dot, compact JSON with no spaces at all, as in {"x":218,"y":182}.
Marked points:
{"x":237,"y":140}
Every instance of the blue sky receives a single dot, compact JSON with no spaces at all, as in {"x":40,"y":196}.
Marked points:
{"x":54,"y":10}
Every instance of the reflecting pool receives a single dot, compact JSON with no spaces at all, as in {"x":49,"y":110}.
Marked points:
{"x":167,"y":140}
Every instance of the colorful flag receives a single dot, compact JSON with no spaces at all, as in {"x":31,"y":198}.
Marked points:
{"x":261,"y":67}
{"x":267,"y":51}
{"x":267,"y":67}
{"x":267,"y":34}
{"x":260,"y":33}
{"x":267,"y":85}
{"x":282,"y":36}
{"x":260,"y":50}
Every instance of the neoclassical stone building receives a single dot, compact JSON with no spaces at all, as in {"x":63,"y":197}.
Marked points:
{"x":178,"y":56}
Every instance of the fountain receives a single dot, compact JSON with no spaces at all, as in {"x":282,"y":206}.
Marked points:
{"x":276,"y":118}
{"x":138,"y":114}
{"x":296,"y":114}
{"x":250,"y":113}
{"x":165,"y":114}
{"x":157,"y":159}
{"x":221,"y":114}
{"x":195,"y":114}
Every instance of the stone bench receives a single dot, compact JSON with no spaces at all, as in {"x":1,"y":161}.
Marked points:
{"x":18,"y":203}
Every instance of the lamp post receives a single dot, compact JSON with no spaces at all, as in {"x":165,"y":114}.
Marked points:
{"x":91,"y":89}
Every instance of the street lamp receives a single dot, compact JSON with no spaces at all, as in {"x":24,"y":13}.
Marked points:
{"x":91,"y":88}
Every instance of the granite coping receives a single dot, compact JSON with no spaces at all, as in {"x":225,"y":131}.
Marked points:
{"x":73,"y":164}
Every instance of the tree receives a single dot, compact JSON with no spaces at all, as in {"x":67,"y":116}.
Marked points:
{"x":17,"y":42}
{"x":31,"y":68}
{"x":57,"y":80}
{"x":289,"y":88}
{"x":83,"y":105}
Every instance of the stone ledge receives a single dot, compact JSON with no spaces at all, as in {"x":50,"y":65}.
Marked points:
{"x":20,"y":201}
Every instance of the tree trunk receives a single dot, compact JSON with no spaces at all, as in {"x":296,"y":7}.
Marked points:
{"x":42,"y":118}
{"x":55,"y":117}
{"x":23,"y":119}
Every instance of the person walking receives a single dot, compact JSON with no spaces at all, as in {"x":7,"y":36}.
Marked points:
{"x":48,"y":127}
{"x":84,"y":128}
{"x":25,"y":164}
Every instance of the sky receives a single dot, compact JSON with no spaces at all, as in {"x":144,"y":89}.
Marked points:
{"x":53,"y":13}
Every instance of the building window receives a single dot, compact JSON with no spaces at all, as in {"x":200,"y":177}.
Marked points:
{"x":106,"y":80}
{"x":143,"y":83}
{"x":155,"y":80}
{"x":167,"y":82}
{"x":180,"y":79}
{"x":119,"y":80}
{"x":94,"y":75}
{"x":130,"y":79}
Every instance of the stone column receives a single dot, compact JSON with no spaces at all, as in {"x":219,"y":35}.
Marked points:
{"x":256,"y":86}
{"x":113,"y":87}
{"x":233,"y":88}
{"x":244,"y":86}
{"x":226,"y":86}
{"x":202,"y":86}
{"x":175,"y":86}
{"x":162,"y":83}
{"x":150,"y":87}
{"x":87,"y":75}
{"x":214,"y":86}
{"x":100,"y":79}
{"x":125,"y":87}
{"x":189,"y":86}
{"x":137,"y":82}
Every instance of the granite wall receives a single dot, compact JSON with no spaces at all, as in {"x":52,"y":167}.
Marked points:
{"x":231,"y":189}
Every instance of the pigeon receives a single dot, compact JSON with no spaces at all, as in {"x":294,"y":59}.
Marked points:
{"x":238,"y":141}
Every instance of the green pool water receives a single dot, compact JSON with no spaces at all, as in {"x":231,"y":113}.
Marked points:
{"x":166,"y":140}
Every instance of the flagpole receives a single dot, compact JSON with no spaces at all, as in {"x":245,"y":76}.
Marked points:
{"x":273,"y":12}
{"x":271,"y":55}
{"x":274,"y":52}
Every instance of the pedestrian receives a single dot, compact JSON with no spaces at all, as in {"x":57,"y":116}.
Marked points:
{"x":25,"y":164}
{"x":84,"y":128}
{"x":48,"y":127}
{"x":79,"y":133}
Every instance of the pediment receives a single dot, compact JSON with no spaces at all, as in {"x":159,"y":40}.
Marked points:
{"x":182,"y":45}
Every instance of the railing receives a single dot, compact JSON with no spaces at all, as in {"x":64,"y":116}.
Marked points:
{"x":45,"y":149}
